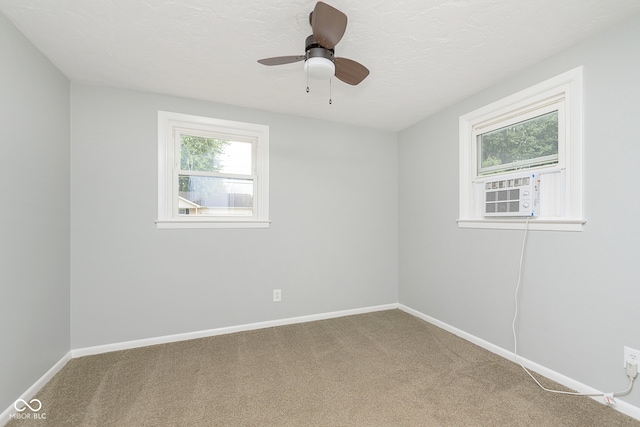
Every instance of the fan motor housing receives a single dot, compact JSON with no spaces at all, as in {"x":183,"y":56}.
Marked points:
{"x":314,"y":50}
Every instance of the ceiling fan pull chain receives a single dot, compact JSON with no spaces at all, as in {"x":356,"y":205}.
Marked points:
{"x":330,"y":102}
{"x":307,"y":79}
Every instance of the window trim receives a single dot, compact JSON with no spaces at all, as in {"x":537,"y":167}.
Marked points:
{"x":170,"y":123}
{"x":565,"y":88}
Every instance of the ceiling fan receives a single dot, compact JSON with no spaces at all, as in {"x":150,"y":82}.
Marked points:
{"x":328,"y":25}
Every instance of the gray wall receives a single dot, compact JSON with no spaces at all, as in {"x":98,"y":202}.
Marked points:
{"x":332,"y":244}
{"x":580,"y":294}
{"x":34,"y":217}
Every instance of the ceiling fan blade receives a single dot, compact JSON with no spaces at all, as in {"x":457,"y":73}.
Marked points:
{"x":350,"y":71}
{"x":328,"y":24}
{"x":279,"y":60}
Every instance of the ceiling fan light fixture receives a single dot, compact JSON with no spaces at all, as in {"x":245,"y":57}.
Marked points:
{"x":319,"y":68}
{"x":328,"y":25}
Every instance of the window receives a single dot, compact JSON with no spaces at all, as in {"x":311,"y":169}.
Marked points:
{"x":526,"y":144}
{"x":537,"y":131}
{"x":212,"y":173}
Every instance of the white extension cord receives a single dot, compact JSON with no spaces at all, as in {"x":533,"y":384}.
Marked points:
{"x":632,"y":369}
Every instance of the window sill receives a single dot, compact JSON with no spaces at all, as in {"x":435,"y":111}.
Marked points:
{"x":519,"y":224}
{"x":203,"y":223}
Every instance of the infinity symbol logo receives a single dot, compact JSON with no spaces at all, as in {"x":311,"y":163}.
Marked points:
{"x":15,"y":405}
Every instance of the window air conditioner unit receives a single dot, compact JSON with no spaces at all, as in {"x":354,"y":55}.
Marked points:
{"x":515,"y":194}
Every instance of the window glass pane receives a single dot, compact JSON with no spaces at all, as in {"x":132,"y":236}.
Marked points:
{"x":202,"y":154}
{"x":213,"y":196}
{"x":236,"y":158}
{"x":523,"y":142}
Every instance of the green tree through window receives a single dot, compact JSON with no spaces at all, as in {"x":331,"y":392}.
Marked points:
{"x":520,"y":142}
{"x":199,"y":154}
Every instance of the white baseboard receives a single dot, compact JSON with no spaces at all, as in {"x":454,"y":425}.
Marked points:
{"x":620,"y":405}
{"x":88,"y":351}
{"x":28,"y":395}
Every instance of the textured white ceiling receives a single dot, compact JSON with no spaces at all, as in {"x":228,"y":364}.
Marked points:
{"x":423,"y":54}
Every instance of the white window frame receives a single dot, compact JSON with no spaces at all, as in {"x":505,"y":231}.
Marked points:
{"x":564,"y":92}
{"x":171,"y":124}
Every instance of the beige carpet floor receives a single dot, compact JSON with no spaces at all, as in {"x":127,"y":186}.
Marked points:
{"x":378,"y":369}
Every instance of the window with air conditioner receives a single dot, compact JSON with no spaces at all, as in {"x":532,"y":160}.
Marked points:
{"x":522,"y":157}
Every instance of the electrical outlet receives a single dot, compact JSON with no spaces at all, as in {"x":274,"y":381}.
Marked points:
{"x":277,"y":295}
{"x":631,"y":355}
